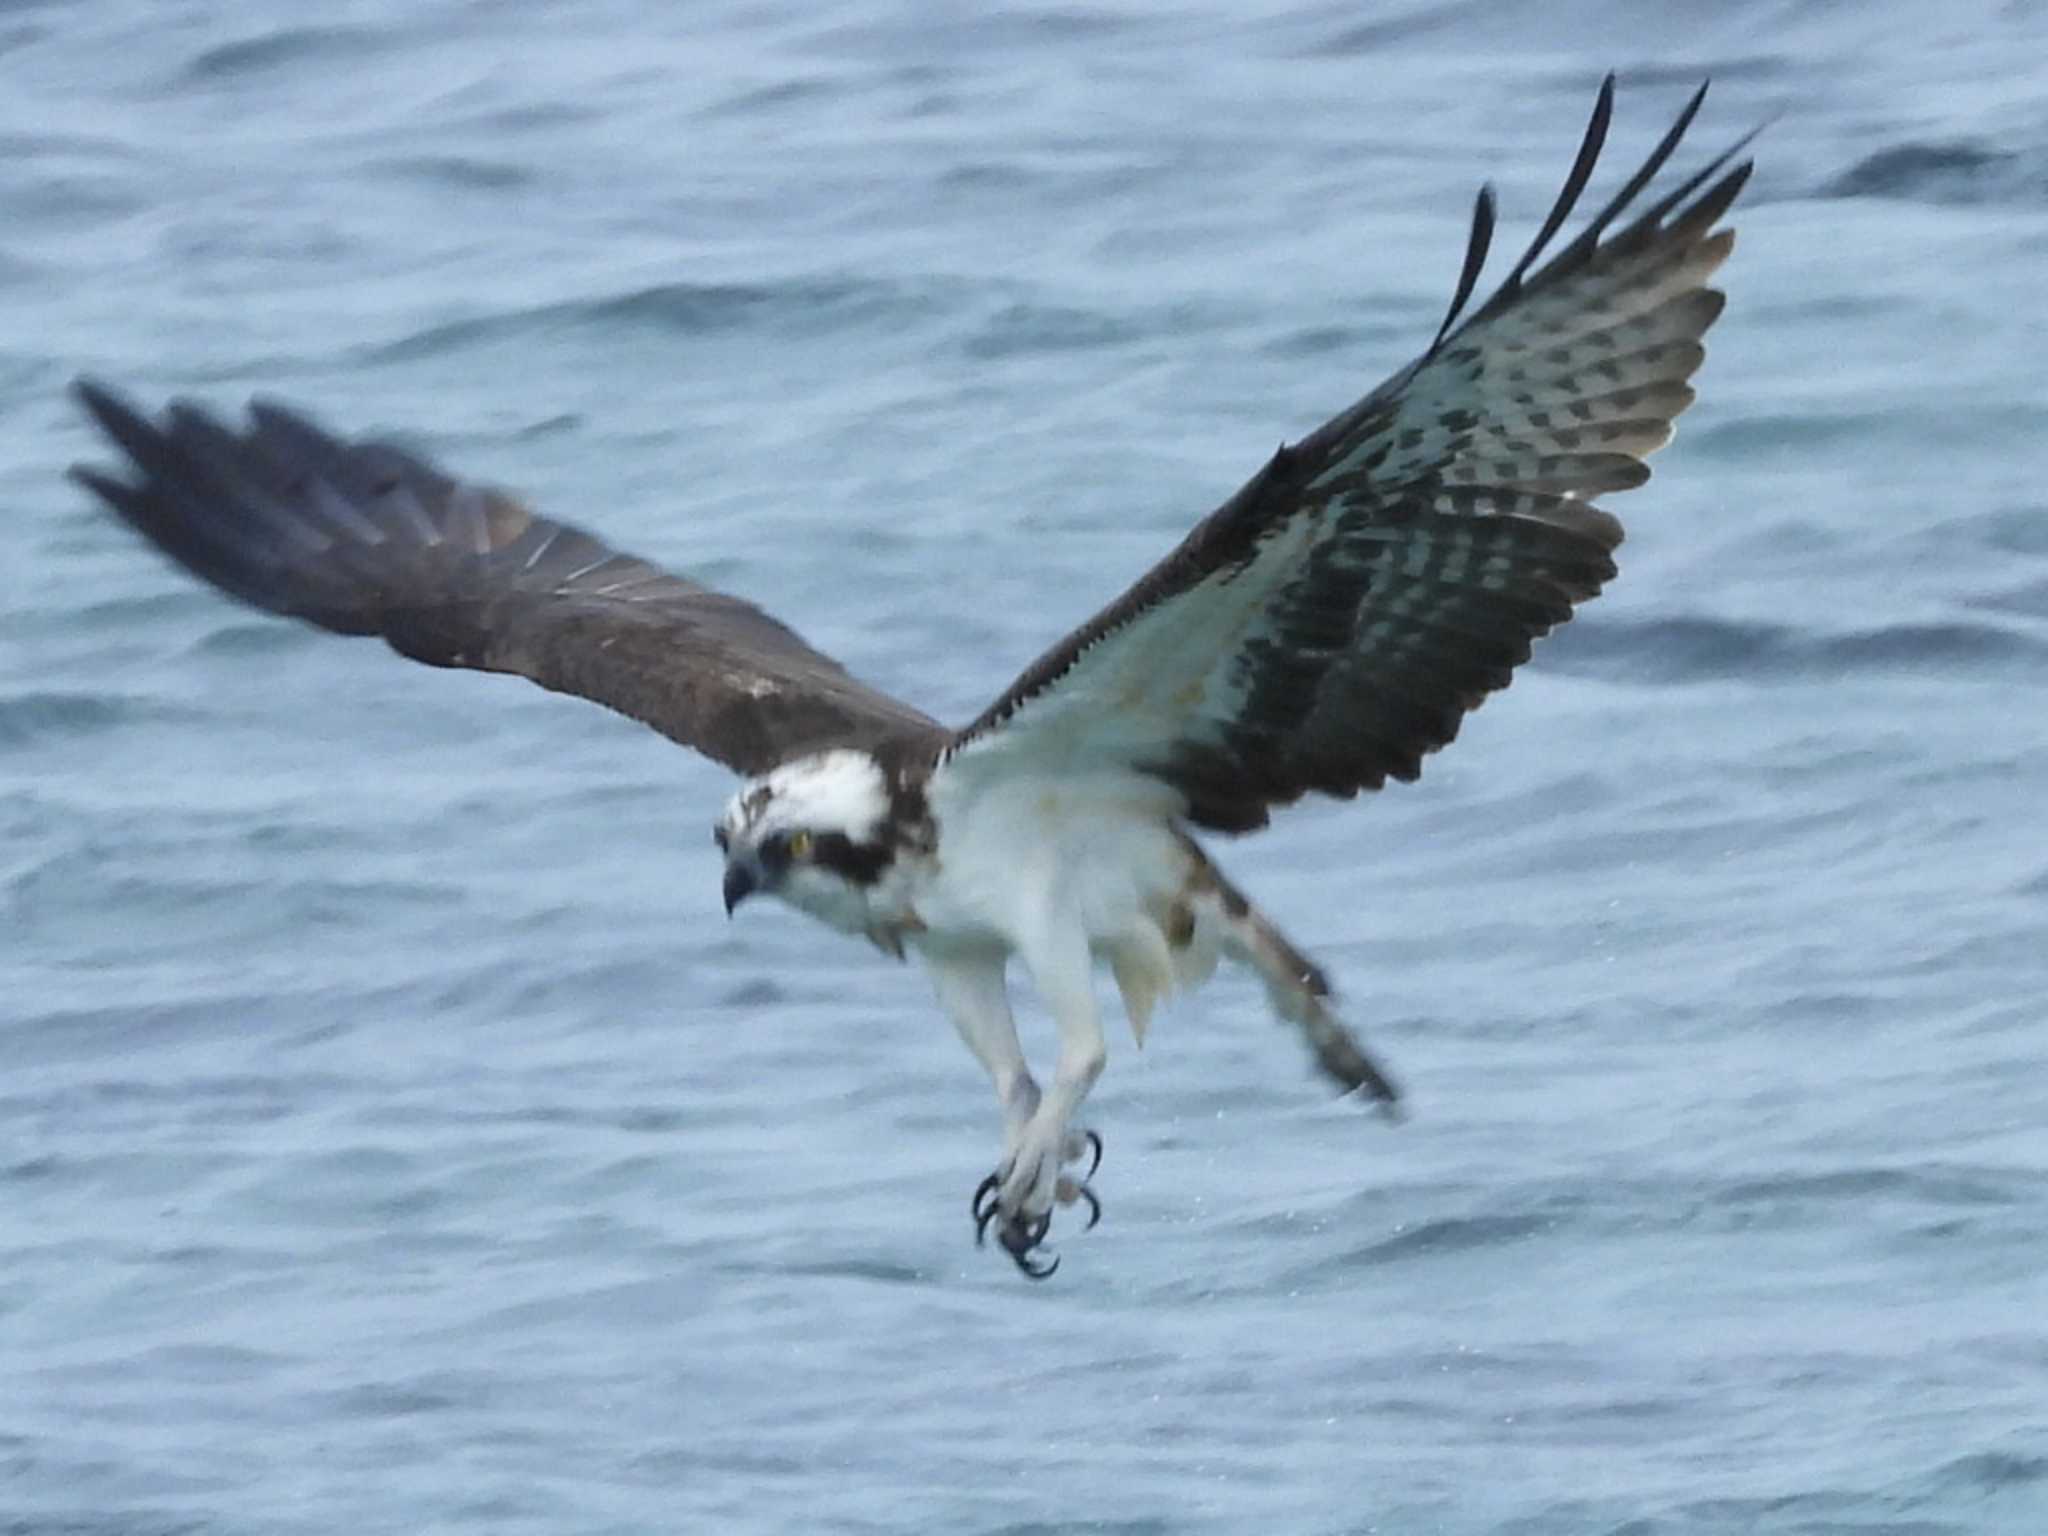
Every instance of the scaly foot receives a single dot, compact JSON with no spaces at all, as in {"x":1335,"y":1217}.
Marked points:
{"x":1020,"y":1178}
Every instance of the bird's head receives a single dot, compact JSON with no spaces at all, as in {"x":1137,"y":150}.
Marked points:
{"x":815,"y":832}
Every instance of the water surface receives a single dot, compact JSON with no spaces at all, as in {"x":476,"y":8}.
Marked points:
{"x":395,"y":1137}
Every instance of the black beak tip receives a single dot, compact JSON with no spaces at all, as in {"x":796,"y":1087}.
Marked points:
{"x":739,"y":885}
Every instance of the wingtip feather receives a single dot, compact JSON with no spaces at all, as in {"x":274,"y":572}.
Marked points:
{"x":1477,"y":243}
{"x":107,"y":407}
{"x":1590,"y":145}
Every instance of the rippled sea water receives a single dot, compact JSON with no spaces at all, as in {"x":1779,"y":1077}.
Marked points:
{"x":395,"y":1137}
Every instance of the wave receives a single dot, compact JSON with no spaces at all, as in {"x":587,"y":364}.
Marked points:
{"x":774,"y":96}
{"x":1449,"y":1234}
{"x":1695,"y":649}
{"x":1990,"y":1471}
{"x":45,"y":715}
{"x":801,"y":306}
{"x":1418,"y":21}
{"x":1931,"y":1185}
{"x":1577,"y":1210}
{"x":283,"y":48}
{"x":1024,"y":328}
{"x":1955,"y":171}
{"x":465,"y":173}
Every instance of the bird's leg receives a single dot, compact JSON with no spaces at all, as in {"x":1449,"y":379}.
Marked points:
{"x":1039,"y":1136}
{"x":975,"y":997}
{"x":972,"y":992}
{"x":1024,"y":1190}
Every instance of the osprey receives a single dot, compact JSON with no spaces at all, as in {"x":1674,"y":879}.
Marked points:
{"x":1320,"y":632}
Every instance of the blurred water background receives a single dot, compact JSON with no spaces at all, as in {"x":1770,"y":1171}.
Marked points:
{"x":394,"y":1137}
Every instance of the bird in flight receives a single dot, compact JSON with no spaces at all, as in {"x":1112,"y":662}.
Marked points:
{"x":1320,"y":632}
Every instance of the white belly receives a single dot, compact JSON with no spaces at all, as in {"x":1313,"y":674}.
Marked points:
{"x":1017,"y":862}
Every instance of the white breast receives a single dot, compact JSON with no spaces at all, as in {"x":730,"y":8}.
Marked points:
{"x":1020,"y":856}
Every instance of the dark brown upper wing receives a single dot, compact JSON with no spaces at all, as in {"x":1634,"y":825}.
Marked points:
{"x":363,"y":538}
{"x":1335,"y":619}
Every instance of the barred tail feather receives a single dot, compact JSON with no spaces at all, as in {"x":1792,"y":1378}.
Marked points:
{"x":1296,"y":986}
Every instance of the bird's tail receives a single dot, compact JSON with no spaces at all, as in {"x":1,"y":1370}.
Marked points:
{"x":1299,"y":991}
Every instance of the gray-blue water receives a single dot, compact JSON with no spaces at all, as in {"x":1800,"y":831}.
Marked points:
{"x":394,"y":1136}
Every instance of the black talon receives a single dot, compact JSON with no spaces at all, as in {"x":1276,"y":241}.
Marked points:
{"x":982,"y":1213}
{"x":1020,"y":1237}
{"x":1094,"y":1206}
{"x":1095,"y":1145}
{"x":1037,"y":1271}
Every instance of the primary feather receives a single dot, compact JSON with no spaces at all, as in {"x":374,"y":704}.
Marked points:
{"x":363,"y":538}
{"x":1331,"y":624}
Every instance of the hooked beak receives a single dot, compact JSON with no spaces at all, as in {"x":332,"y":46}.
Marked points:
{"x":742,"y":879}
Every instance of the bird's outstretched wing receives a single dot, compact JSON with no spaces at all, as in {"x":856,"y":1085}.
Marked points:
{"x":364,"y":538}
{"x":1333,"y":621}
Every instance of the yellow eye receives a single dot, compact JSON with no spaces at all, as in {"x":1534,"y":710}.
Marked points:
{"x":799,"y":845}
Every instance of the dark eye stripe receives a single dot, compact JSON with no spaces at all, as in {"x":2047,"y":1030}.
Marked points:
{"x":861,"y":863}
